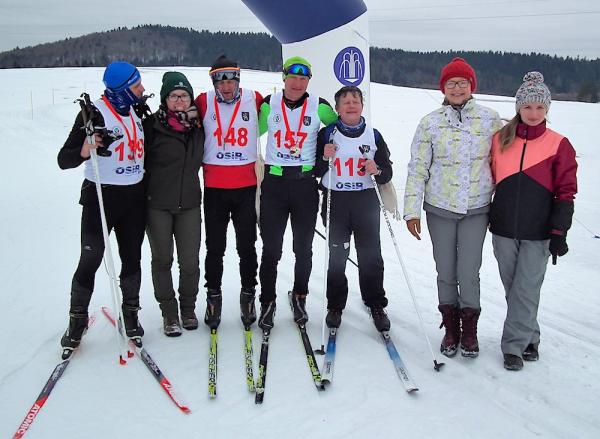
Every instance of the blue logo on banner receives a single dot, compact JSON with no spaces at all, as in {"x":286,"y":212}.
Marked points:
{"x":349,"y":66}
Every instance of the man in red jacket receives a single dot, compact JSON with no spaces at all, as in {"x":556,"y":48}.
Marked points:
{"x":230,"y":118}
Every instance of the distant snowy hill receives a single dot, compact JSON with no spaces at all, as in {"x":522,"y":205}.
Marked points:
{"x":557,"y":397}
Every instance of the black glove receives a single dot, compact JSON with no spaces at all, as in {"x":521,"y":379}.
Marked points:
{"x":558,"y":246}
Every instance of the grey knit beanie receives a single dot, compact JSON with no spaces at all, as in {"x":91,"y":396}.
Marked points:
{"x":532,"y":90}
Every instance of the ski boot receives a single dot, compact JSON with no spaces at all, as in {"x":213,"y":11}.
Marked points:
{"x":247,"y":307}
{"x":78,"y":320}
{"x":334,"y":318}
{"x":133,"y":329}
{"x":298,"y":302}
{"x":380,"y":318}
{"x":212,"y":317}
{"x":267,"y":314}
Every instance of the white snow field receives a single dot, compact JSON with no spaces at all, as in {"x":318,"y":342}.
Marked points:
{"x":557,"y":397}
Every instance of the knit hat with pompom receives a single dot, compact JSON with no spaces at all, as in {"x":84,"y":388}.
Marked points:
{"x":533,"y":90}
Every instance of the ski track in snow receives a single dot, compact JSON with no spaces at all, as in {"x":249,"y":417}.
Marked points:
{"x":556,"y":397}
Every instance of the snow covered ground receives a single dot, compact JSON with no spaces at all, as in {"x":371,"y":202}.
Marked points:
{"x":557,"y":397}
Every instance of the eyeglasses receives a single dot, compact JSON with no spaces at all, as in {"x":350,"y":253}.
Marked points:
{"x":461,"y":84}
{"x":298,"y":69}
{"x":226,"y":74}
{"x":183,"y":98}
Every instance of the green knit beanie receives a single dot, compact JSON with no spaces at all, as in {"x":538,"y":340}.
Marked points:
{"x":174,"y":81}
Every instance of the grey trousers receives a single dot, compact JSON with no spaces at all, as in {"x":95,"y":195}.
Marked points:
{"x":522,"y":266}
{"x":161,"y":226}
{"x":457,"y":246}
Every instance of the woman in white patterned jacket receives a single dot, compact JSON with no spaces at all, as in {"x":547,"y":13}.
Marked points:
{"x":450,"y":169}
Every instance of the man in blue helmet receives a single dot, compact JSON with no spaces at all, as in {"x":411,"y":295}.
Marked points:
{"x":121,"y":169}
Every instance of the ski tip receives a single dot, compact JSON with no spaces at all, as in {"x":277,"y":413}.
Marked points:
{"x":122,"y":361}
{"x":325,"y":383}
{"x":185,"y":410}
{"x":412,"y":390}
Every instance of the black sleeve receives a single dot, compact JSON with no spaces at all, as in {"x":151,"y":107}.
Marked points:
{"x":69,"y":155}
{"x":324,"y":101}
{"x":149,"y":132}
{"x":382,"y":159}
{"x":321,"y":165}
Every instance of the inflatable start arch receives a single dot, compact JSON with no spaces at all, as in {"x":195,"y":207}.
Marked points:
{"x":333,"y":35}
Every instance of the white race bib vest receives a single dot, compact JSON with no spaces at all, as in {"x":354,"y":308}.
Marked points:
{"x":347,"y":174}
{"x":238,"y":145}
{"x":125,"y":166}
{"x":293,"y":147}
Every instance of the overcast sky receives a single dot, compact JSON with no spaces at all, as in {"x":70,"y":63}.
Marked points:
{"x":548,"y":26}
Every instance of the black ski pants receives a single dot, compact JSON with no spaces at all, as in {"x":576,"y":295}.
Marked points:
{"x":183,"y":225}
{"x":354,"y":213}
{"x":221,"y":205}
{"x":282,"y":198}
{"x":124,"y":207}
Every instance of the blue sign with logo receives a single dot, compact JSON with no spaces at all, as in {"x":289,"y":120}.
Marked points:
{"x":349,"y":66}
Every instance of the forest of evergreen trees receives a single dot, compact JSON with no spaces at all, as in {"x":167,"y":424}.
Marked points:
{"x":154,"y":45}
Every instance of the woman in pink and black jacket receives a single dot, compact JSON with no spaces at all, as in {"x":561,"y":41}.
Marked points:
{"x":534,"y":170}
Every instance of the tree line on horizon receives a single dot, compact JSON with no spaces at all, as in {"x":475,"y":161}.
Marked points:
{"x":498,"y":73}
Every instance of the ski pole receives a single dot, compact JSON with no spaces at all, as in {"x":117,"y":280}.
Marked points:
{"x":124,"y":353}
{"x":326,"y":259}
{"x":436,"y":365}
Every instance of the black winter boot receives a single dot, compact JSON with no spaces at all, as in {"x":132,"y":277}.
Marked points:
{"x":189,"y":320}
{"x":469,"y":346}
{"x":171,"y":326}
{"x":513,"y":362}
{"x":451,"y":321}
{"x":531,"y":353}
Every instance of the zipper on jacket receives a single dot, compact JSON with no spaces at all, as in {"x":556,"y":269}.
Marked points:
{"x":519,"y":187}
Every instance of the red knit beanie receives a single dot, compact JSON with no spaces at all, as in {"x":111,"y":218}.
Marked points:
{"x":458,"y":68}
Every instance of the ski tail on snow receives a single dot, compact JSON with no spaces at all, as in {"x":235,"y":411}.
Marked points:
{"x":328,"y":361}
{"x":261,"y":378}
{"x":248,"y":354}
{"x":310,"y":353}
{"x":212,"y":364}
{"x":47,"y":390}
{"x":407,"y":381}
